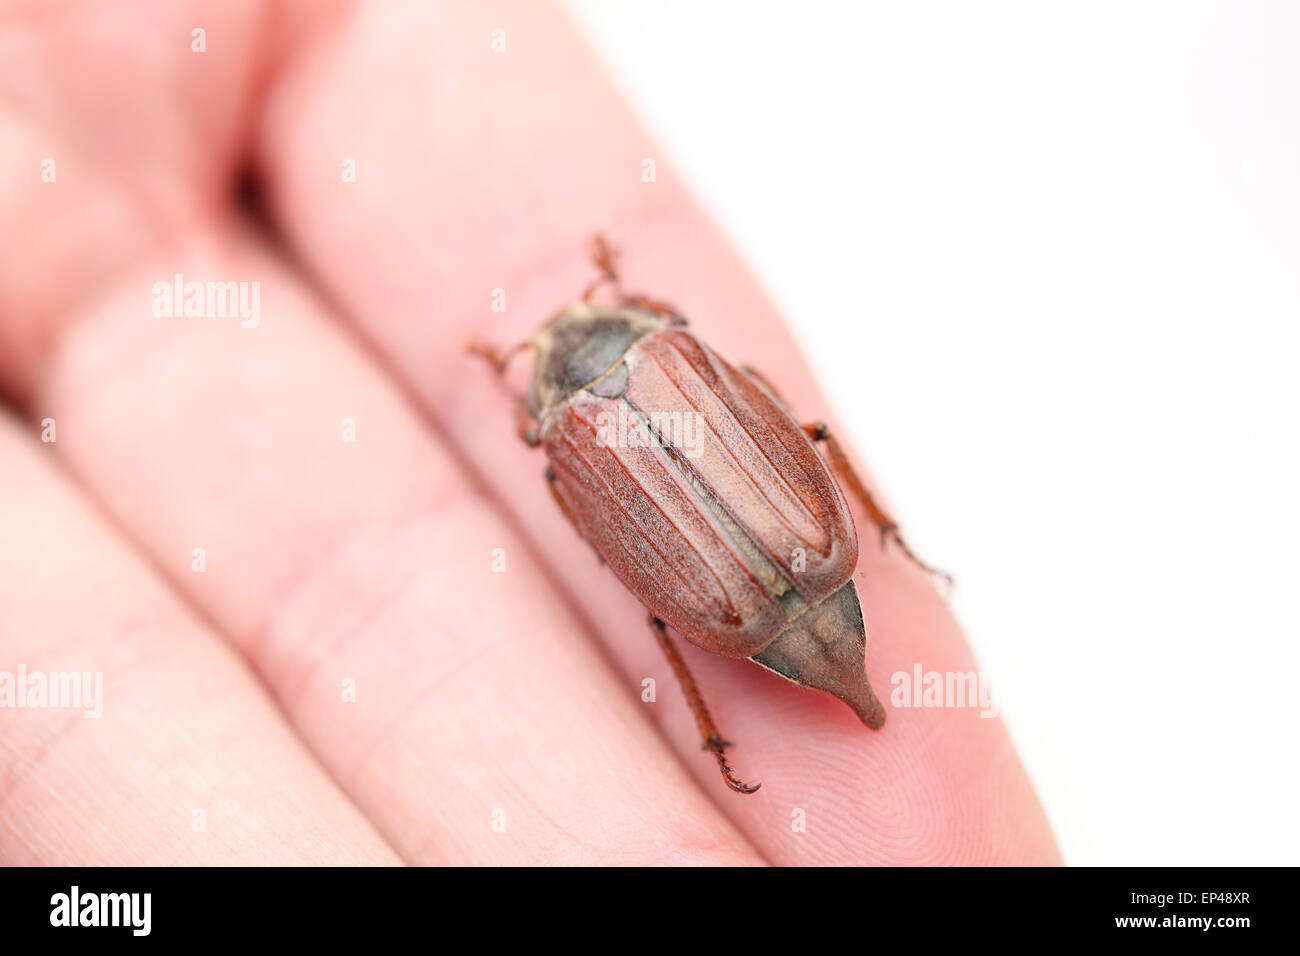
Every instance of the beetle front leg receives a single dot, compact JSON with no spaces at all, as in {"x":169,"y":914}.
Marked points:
{"x":525,"y":424}
{"x":494,"y":356}
{"x":713,"y":741}
{"x":668,"y":312}
{"x":818,"y":431}
{"x":602,"y":257}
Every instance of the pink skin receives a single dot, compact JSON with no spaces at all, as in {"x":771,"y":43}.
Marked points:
{"x":330,"y":561}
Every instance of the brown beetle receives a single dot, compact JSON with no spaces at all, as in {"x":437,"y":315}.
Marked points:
{"x":698,"y":488}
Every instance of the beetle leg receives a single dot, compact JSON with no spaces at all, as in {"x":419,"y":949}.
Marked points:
{"x":602,"y":256}
{"x":494,"y":356}
{"x":525,"y":424}
{"x":818,"y":431}
{"x":654,"y":305}
{"x":713,"y":741}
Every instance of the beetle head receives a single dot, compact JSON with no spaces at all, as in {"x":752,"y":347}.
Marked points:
{"x":582,"y":344}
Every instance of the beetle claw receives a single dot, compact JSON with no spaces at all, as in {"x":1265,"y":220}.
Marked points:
{"x":718,"y":747}
{"x":729,"y":776}
{"x":737,"y":785}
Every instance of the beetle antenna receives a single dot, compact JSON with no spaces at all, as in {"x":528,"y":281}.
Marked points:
{"x":713,"y":741}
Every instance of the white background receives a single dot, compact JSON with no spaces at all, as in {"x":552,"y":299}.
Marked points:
{"x":1046,"y":260}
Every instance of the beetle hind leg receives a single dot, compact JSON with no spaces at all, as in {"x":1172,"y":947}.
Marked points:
{"x":718,"y":747}
{"x":819,"y":432}
{"x":713,"y":741}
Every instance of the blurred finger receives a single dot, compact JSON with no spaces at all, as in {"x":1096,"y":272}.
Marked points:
{"x":164,"y":750}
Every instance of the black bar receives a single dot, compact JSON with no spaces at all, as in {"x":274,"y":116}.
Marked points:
{"x":331,"y":906}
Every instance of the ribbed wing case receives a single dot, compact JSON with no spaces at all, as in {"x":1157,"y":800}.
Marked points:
{"x":702,"y":493}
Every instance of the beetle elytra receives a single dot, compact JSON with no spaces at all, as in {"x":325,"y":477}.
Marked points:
{"x":696,"y":485}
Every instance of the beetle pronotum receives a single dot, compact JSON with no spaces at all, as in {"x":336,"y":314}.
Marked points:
{"x":740,"y":540}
